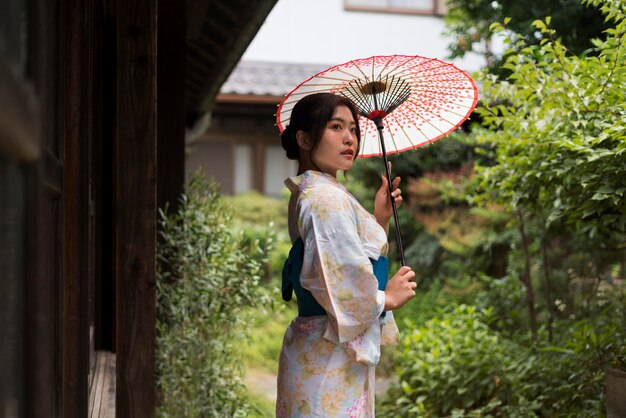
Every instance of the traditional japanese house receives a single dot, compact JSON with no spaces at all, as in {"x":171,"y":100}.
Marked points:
{"x":240,"y":148}
{"x":95,"y":100}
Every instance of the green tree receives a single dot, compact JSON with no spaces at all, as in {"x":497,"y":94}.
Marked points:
{"x":469,"y":21}
{"x":559,"y":143}
{"x":558,"y":126}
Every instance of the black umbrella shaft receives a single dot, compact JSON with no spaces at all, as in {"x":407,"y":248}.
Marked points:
{"x":379,"y":126}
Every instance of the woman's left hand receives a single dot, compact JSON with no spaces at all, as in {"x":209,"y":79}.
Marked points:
{"x":382,"y":204}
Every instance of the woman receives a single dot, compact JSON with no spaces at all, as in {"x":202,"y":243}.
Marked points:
{"x":329,"y":351}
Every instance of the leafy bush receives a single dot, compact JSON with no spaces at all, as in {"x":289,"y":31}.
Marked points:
{"x":455,"y":365}
{"x":571,"y":378}
{"x":206,"y":279}
{"x":452,"y":364}
{"x":557,"y":129}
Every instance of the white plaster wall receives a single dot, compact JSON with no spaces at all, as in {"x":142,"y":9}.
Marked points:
{"x":322,"y":32}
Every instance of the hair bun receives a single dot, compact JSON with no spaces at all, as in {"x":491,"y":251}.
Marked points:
{"x":289,"y":143}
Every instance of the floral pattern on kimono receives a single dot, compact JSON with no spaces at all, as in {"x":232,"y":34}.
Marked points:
{"x":326,"y":366}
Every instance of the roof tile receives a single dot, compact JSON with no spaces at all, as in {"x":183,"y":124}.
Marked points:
{"x":268,"y":78}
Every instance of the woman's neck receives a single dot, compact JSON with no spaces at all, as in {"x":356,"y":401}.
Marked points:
{"x":310,"y":165}
{"x":301,"y":170}
{"x":306,"y":163}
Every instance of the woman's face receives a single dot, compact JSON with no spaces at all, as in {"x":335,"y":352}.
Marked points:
{"x":338,"y":145}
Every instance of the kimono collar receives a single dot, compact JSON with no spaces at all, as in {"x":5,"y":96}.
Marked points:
{"x":309,"y":177}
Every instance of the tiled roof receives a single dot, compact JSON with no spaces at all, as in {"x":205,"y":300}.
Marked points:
{"x":268,"y":78}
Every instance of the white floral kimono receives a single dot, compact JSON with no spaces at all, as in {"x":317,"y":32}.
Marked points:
{"x":326,"y":366}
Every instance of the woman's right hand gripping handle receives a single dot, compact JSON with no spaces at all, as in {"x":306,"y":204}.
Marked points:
{"x":400,"y":288}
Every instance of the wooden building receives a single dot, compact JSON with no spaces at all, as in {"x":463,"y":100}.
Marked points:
{"x":241,"y":148}
{"x":95,"y":99}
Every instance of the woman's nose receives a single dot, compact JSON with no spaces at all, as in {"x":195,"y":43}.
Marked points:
{"x":347,"y":137}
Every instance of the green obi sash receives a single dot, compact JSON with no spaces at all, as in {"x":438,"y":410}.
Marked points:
{"x":307,"y":305}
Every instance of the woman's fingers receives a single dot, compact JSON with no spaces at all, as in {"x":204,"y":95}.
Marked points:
{"x":404,"y":270}
{"x":402,"y":287}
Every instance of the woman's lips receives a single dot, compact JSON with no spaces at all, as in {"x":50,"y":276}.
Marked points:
{"x":348,"y":152}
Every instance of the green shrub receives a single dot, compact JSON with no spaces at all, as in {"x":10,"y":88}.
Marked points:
{"x":571,"y":377}
{"x":453,"y":362}
{"x":455,"y":365}
{"x":207,"y":279}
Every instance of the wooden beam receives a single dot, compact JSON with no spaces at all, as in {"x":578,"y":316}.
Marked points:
{"x":135,"y":206}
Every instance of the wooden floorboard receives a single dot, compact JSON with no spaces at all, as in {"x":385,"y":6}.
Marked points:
{"x":102,"y":390}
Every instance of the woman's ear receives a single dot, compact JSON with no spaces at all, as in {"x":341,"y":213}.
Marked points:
{"x":303,"y":140}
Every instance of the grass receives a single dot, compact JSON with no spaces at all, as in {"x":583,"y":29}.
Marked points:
{"x":267,"y":330}
{"x":260,"y":406}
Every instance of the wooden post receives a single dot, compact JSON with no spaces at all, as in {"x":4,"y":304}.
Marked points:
{"x":135,"y":206}
{"x":44,"y":210}
{"x":171,"y":36}
{"x":75,"y":306}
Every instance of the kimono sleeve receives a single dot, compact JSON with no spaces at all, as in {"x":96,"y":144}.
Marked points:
{"x":336,"y":269}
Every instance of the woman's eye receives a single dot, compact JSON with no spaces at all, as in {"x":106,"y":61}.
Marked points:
{"x":336,"y":126}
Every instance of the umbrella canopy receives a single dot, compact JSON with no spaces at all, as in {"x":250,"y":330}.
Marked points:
{"x":418,"y":99}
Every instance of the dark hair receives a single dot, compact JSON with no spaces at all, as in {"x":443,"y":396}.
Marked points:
{"x":311,"y":115}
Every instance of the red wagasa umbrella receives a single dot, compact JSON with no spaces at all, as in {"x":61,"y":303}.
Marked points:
{"x":415,"y":99}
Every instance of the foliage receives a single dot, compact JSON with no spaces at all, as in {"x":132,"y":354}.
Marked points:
{"x":260,"y":406}
{"x":505,"y":296}
{"x":469,"y":21}
{"x":267,"y":330}
{"x":452,"y":364}
{"x":558,"y":126}
{"x":252,"y":209}
{"x":207,"y":278}
{"x":265,"y":219}
{"x":430,"y":300}
{"x":574,"y":372}
{"x":554,"y":131}
{"x":455,"y":365}
{"x":448,"y":153}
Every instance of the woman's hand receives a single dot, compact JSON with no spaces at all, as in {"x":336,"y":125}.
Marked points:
{"x":400,"y":288}
{"x":382,"y":204}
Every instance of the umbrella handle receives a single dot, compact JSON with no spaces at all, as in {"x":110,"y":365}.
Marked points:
{"x":379,"y":127}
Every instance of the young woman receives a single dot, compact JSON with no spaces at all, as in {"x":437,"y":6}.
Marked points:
{"x":330,"y":349}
